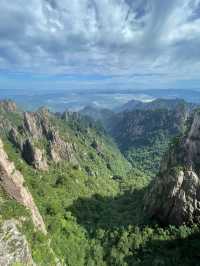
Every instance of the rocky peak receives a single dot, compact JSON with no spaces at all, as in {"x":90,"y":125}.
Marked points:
{"x":8,"y":106}
{"x":174,"y":196}
{"x":35,"y":131}
{"x":36,"y":124}
{"x":66,"y":115}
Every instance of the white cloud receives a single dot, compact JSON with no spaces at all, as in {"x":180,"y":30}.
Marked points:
{"x":116,"y":37}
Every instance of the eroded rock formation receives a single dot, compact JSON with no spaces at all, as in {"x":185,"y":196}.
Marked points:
{"x":174,"y":197}
{"x":36,"y":129}
{"x":13,"y":183}
{"x":8,"y":106}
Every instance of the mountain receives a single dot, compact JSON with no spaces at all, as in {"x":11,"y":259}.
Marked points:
{"x":69,"y":197}
{"x":169,"y":104}
{"x":189,"y":95}
{"x":144,"y":132}
{"x":130,"y":105}
{"x":75,"y":99}
{"x":55,"y":157}
{"x":47,"y":161}
{"x":98,"y":114}
{"x":174,"y":196}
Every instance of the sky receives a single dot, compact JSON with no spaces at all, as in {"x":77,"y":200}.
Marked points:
{"x":125,"y":44}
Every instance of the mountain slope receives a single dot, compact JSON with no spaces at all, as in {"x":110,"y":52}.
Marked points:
{"x":61,"y":157}
{"x":98,"y":114}
{"x":143,"y":135}
{"x":91,"y":200}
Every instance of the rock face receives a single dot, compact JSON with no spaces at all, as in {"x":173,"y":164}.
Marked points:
{"x":7,"y":109}
{"x":8,"y":106}
{"x":13,"y":183}
{"x":13,"y":246}
{"x":174,"y":197}
{"x":36,"y":124}
{"x":37,"y":129}
{"x":34,"y":156}
{"x":59,"y":149}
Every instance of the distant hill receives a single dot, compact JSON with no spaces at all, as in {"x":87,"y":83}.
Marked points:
{"x":60,"y":99}
{"x":168,"y":104}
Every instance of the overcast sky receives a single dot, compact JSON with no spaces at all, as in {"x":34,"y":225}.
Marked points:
{"x":100,"y":43}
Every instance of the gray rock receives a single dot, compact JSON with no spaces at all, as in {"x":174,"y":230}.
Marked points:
{"x":174,"y":195}
{"x":13,"y":183}
{"x":60,"y":149}
{"x":13,"y":245}
{"x":34,"y":156}
{"x":8,"y":106}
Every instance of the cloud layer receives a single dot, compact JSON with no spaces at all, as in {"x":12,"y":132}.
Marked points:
{"x":119,"y":38}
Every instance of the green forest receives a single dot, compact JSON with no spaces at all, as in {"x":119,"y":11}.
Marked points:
{"x":94,"y":208}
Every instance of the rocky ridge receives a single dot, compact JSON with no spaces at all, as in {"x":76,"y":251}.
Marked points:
{"x":174,"y":196}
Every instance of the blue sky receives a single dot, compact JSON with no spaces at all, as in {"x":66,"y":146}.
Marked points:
{"x":136,"y":44}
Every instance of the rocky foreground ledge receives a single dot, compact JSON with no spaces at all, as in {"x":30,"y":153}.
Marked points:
{"x":14,"y":246}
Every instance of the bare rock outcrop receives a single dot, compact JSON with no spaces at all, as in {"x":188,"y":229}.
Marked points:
{"x":7,"y":110}
{"x":36,"y":124}
{"x":34,"y":156}
{"x":37,"y":129}
{"x":60,"y":149}
{"x":13,"y":183}
{"x":174,"y":195}
{"x":30,"y":153}
{"x":8,"y":106}
{"x":13,"y":245}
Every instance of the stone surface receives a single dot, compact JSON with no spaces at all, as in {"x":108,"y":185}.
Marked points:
{"x":34,"y":156}
{"x":13,"y":245}
{"x":37,"y":129}
{"x":35,"y":125}
{"x":8,"y":106}
{"x":59,"y":149}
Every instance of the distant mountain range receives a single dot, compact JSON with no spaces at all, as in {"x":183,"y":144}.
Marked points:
{"x":61,"y":99}
{"x":143,"y":130}
{"x":168,"y":104}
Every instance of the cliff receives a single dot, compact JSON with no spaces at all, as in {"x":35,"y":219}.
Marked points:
{"x":174,"y":196}
{"x":13,"y":183}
